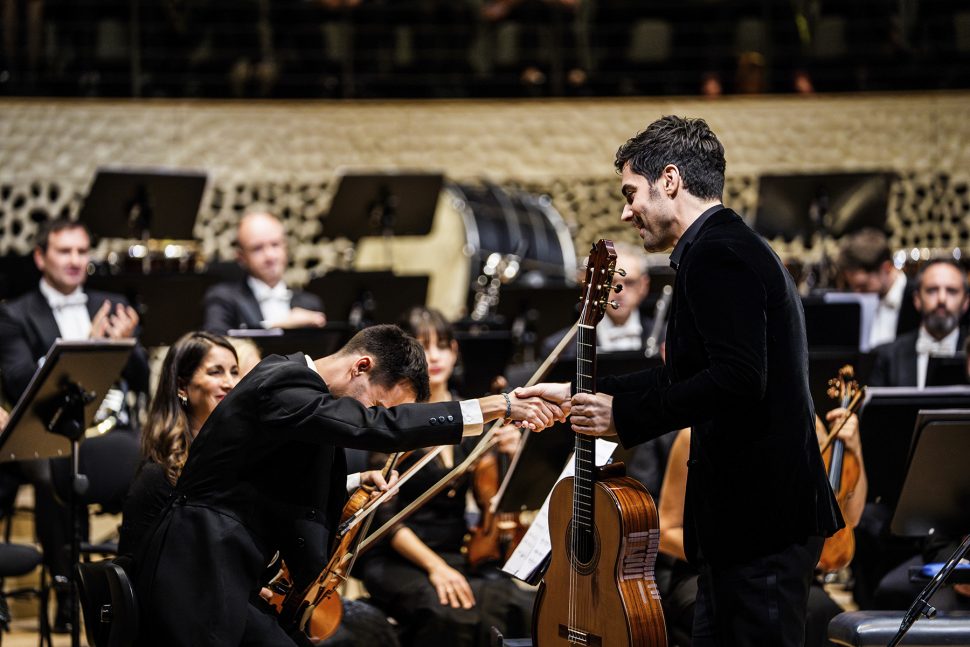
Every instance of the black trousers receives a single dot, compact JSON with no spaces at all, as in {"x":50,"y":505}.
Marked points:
{"x":762,"y":601}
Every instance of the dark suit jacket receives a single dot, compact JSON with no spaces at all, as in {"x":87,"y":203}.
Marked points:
{"x":232,"y":305}
{"x":737,"y":373}
{"x":27,"y":330}
{"x":266,"y":473}
{"x":895,"y":363}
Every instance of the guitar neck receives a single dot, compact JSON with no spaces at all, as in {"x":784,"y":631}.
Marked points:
{"x":584,"y":457}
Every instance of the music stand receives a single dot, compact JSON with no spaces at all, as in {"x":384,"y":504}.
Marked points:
{"x":143,"y":203}
{"x":833,"y":204}
{"x":365,"y":298}
{"x":383,"y":203}
{"x":832,"y":326}
{"x":166,"y":303}
{"x":935,"y":496}
{"x":314,"y":342}
{"x":886,"y":426}
{"x":484,"y":356}
{"x":945,"y":371}
{"x":52,"y":414}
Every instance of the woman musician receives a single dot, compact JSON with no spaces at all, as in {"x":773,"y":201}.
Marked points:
{"x":419,"y":575}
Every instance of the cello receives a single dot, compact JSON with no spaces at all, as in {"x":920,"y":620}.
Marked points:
{"x":843,"y":471}
{"x":599,"y":588}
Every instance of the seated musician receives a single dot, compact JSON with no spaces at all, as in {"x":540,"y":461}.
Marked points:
{"x":419,"y":575}
{"x":678,"y":596}
{"x":267,"y":473}
{"x":199,"y":370}
{"x":62,"y":307}
{"x":262,"y":299}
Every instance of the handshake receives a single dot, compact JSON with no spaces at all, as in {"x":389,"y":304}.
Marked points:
{"x":539,"y":406}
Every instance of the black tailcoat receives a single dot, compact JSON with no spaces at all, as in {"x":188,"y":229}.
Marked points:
{"x":895,"y":363}
{"x":232,"y":305}
{"x":736,"y":372}
{"x":266,"y":473}
{"x":28,"y":329}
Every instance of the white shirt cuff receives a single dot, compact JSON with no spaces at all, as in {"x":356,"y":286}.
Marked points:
{"x":353,"y":481}
{"x":472,"y":418}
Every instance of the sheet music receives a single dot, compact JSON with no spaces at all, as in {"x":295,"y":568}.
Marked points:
{"x":536,"y":545}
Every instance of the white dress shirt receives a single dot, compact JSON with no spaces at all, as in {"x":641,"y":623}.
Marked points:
{"x":274,"y":302}
{"x":927,"y":346}
{"x":70,"y":311}
{"x":887,"y":313}
{"x":612,"y":338}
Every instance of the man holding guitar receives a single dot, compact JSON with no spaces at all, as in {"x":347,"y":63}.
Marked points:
{"x":758,"y":503}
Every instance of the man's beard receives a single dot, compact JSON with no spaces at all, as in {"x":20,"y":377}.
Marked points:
{"x":939,"y":325}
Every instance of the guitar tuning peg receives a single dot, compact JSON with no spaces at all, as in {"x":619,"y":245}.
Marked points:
{"x":618,"y":288}
{"x":614,"y":305}
{"x":621,"y":271}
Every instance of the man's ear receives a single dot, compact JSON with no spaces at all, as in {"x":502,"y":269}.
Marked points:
{"x":39,"y":259}
{"x":363,"y":365}
{"x":672,"y":180}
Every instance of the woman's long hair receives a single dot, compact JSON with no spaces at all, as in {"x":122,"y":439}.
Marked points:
{"x":167,"y":435}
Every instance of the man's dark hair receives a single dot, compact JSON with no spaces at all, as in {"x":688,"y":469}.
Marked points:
{"x":942,"y":261}
{"x":688,"y":144}
{"x":398,"y":356}
{"x":60,"y":223}
{"x":866,"y":250}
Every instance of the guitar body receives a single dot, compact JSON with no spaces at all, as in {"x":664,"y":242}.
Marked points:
{"x":612,"y":599}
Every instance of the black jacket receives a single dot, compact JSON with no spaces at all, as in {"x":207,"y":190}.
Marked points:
{"x":232,"y":305}
{"x":27,"y":331}
{"x":895,"y":363}
{"x":737,"y":373}
{"x":266,"y":473}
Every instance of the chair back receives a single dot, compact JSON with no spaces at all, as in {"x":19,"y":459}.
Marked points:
{"x":108,"y":604}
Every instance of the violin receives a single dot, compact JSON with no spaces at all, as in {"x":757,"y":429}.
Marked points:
{"x":843,"y":470}
{"x":317,"y":610}
{"x":497,"y":533}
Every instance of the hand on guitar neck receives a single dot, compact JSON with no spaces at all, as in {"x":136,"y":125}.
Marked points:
{"x":591,"y":414}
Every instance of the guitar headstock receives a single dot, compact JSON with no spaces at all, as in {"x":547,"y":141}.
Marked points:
{"x":600,"y":267}
{"x":844,"y":387}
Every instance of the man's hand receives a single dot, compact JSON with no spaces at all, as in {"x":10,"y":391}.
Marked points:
{"x":849,"y":434}
{"x":592,"y":414}
{"x":535,"y":412}
{"x":117,"y":323}
{"x":452,"y":587}
{"x":375,"y":478}
{"x":507,"y":438}
{"x":556,"y":393}
{"x":301,"y":318}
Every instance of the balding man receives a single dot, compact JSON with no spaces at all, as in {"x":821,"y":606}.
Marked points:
{"x":261,"y":299}
{"x":622,"y":329}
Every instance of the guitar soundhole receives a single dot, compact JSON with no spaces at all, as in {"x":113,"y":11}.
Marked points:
{"x":582,"y":546}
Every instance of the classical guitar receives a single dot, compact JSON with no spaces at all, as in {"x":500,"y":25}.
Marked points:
{"x":599,"y":589}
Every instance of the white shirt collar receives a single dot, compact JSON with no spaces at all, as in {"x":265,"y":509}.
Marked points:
{"x":56,"y":299}
{"x":627,"y":336}
{"x":264,"y":292}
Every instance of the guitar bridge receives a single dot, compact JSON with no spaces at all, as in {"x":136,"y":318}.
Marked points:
{"x":579,"y":637}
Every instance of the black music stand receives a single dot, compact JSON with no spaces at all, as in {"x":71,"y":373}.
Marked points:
{"x":314,"y":342}
{"x":365,"y":298}
{"x":143,"y":203}
{"x":833,"y":204}
{"x":383,"y":203}
{"x":167,"y":304}
{"x":946,"y":371}
{"x":935,"y":496}
{"x":886,"y":426}
{"x":51,"y":416}
{"x":484,"y":355}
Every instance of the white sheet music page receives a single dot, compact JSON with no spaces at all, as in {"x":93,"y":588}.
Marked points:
{"x":536,"y":545}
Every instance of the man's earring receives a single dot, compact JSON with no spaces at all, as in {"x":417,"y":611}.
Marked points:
{"x":184,"y":401}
